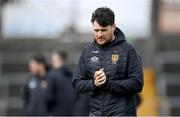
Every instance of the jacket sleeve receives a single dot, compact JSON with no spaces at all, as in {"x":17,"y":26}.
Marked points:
{"x":25,"y":95}
{"x":50,"y":91}
{"x":134,"y":81}
{"x":81,"y":82}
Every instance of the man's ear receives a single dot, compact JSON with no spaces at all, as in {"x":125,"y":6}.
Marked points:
{"x":114,"y":26}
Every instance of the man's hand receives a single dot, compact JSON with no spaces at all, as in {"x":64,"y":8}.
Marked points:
{"x":100,"y":77}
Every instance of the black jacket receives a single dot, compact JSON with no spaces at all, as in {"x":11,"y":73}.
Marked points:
{"x":60,"y":93}
{"x":34,"y":96}
{"x":123,"y":69}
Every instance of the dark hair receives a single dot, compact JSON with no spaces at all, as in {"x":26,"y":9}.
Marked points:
{"x":62,"y":54}
{"x":39,"y":57}
{"x":104,"y":16}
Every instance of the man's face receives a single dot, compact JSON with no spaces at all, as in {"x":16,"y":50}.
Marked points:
{"x":56,"y":61}
{"x":33,"y":67}
{"x":103,"y":35}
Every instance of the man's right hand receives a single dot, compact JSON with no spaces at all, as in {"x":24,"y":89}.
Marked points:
{"x":100,"y":77}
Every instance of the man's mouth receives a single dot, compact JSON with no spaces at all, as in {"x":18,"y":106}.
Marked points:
{"x":101,"y":39}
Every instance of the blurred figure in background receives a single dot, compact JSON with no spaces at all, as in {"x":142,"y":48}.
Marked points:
{"x":34,"y":92}
{"x":62,"y":99}
{"x":60,"y":94}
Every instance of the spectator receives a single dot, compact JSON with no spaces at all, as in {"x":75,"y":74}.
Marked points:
{"x":60,"y":94}
{"x":34,"y":92}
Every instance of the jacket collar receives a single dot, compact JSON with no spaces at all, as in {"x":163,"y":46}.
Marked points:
{"x":119,"y":38}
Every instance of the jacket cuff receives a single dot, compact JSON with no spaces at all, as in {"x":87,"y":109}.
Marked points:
{"x":95,"y":88}
{"x":106,"y":84}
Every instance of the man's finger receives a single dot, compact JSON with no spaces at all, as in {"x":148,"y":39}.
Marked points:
{"x":102,"y":82}
{"x":100,"y":76}
{"x":96,"y":73}
{"x":101,"y":79}
{"x":99,"y":73}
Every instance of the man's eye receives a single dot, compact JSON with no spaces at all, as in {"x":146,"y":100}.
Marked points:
{"x":96,"y":30}
{"x":103,"y":30}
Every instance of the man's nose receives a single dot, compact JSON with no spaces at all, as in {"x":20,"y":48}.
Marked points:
{"x":100,"y":34}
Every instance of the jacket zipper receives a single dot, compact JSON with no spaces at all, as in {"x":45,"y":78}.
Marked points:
{"x":102,"y":61}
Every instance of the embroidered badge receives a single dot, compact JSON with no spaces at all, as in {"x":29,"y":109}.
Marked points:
{"x":94,"y":59}
{"x":114,"y":58}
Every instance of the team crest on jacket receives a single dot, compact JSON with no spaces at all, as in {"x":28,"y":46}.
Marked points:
{"x":114,"y":58}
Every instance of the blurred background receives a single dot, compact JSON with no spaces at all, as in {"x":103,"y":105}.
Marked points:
{"x":31,"y":26}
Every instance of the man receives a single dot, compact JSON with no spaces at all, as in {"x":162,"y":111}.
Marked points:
{"x":60,"y":93}
{"x":63,"y":78}
{"x":34,"y":93}
{"x":109,"y":69}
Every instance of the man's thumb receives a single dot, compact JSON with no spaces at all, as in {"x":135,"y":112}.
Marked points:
{"x":102,"y":69}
